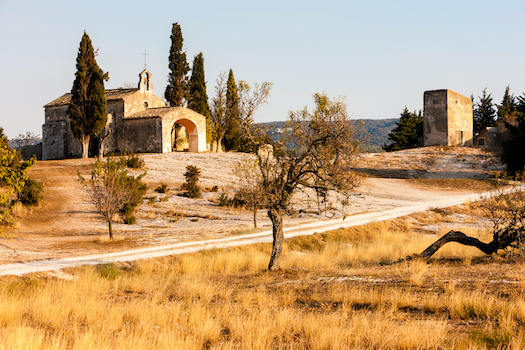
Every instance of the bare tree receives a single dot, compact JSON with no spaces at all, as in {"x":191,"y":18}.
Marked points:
{"x":505,"y":208}
{"x":249,"y":101}
{"x":251,"y":190}
{"x":218,"y":112}
{"x":110,"y":188}
{"x":325,"y":141}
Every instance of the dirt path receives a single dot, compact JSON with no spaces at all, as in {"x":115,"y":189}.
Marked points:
{"x":65,"y":230}
{"x":264,"y":236}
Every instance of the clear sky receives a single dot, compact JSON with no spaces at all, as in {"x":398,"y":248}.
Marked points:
{"x":381,"y":54}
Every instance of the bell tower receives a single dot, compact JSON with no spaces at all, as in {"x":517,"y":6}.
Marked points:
{"x":145,"y":84}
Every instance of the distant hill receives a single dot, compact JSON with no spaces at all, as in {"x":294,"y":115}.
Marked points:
{"x":377,"y":129}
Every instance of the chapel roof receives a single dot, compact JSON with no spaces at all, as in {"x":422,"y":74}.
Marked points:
{"x":112,"y":94}
{"x":153,"y":112}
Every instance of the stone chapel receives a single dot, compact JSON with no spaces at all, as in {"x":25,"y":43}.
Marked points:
{"x":138,"y":121}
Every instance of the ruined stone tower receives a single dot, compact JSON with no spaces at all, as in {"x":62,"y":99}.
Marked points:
{"x":447,"y":119}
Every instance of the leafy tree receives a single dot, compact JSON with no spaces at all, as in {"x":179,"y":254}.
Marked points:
{"x":325,"y":139}
{"x":13,"y":176}
{"x":251,"y":192}
{"x":197,"y":96}
{"x":408,"y":132}
{"x":111,"y":189}
{"x":484,"y":113}
{"x":232,"y":136}
{"x":179,"y":68}
{"x":507,"y":106}
{"x":512,"y":152}
{"x":88,"y":108}
{"x":246,"y":103}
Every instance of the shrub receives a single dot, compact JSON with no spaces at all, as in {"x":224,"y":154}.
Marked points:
{"x":139,"y":190}
{"x":134,"y":162}
{"x":163,"y":188}
{"x":32,"y":193}
{"x":192,"y":177}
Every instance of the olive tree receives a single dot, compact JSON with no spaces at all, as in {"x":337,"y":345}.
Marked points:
{"x":505,"y":209}
{"x":110,"y":188}
{"x":318,"y":165}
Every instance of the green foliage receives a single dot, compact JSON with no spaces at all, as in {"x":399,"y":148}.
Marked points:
{"x":163,"y":188}
{"x":32,"y":193}
{"x":88,"y":107}
{"x":507,"y":106}
{"x":197,"y":96}
{"x":484,"y":113}
{"x":109,"y":271}
{"x":192,"y":178}
{"x":13,"y":176}
{"x":408,"y":132}
{"x":134,"y":161}
{"x":177,"y":79}
{"x":232,"y":135}
{"x":112,"y":190}
{"x":512,"y":152}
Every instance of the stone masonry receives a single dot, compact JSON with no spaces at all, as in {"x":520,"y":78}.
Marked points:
{"x":138,"y":121}
{"x":447,"y":119}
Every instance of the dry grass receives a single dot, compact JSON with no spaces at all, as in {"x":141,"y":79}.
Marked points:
{"x":479,"y":185}
{"x":334,"y":292}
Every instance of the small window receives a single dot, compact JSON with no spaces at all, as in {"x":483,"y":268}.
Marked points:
{"x":145,"y":104}
{"x":481,"y":142}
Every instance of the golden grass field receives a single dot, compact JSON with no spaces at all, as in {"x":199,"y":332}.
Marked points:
{"x":344,"y":289}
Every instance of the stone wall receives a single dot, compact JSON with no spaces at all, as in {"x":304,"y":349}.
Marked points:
{"x":447,"y":119}
{"x":143,"y":135}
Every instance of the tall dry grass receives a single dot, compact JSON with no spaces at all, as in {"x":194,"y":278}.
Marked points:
{"x":333,"y":293}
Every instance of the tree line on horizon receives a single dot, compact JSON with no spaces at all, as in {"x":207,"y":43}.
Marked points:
{"x":408,"y":132}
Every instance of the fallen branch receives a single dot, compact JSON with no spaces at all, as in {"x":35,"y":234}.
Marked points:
{"x":461,"y":238}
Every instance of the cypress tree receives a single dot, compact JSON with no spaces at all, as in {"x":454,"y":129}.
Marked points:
{"x":408,"y":132}
{"x":507,"y":106}
{"x":88,"y":107}
{"x":484,"y":113}
{"x":512,"y":152}
{"x":232,"y":136}
{"x":179,"y":68}
{"x":197,"y":96}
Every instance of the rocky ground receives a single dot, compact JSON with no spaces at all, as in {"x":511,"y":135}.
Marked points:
{"x":67,"y":225}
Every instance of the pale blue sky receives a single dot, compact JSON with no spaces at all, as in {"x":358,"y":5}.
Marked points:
{"x":381,"y":55}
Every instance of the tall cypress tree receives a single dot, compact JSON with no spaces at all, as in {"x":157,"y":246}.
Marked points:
{"x":507,"y":106}
{"x":232,"y":136}
{"x":179,"y":68}
{"x":484,"y":113}
{"x":408,"y":132}
{"x":197,"y":96}
{"x":88,"y":107}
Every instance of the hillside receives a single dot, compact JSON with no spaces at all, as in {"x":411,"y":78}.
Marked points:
{"x":377,"y":129}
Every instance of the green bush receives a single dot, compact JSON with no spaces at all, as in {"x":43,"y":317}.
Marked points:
{"x":134,"y":162}
{"x":32,"y":193}
{"x":163,"y":188}
{"x":192,"y":177}
{"x":139,"y":190}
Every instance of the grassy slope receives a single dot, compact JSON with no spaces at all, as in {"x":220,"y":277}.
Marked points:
{"x":335,"y":291}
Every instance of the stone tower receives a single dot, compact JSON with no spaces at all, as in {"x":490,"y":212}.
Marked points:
{"x":447,"y":119}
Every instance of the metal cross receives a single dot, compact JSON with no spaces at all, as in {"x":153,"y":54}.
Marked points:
{"x":145,"y":54}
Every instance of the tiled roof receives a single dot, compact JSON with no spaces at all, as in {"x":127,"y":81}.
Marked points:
{"x":113,"y":94}
{"x":152,"y":112}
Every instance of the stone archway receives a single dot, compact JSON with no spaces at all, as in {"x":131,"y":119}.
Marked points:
{"x":193,"y":122}
{"x":192,"y":134}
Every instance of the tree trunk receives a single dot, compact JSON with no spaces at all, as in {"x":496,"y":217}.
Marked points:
{"x":255,"y":217}
{"x":461,"y":238}
{"x":219,"y":145}
{"x":101,"y":144}
{"x":278,"y":238}
{"x":85,"y":146}
{"x":110,"y":231}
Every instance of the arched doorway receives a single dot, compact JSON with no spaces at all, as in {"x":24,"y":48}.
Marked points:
{"x":184,"y":136}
